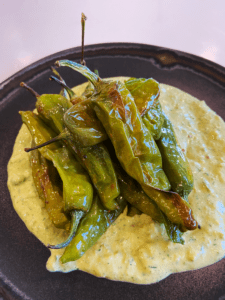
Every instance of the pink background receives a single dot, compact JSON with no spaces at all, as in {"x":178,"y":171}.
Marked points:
{"x":33,"y":29}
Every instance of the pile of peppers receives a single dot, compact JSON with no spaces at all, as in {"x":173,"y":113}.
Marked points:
{"x":111,"y":147}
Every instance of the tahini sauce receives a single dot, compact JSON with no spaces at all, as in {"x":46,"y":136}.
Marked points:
{"x":137,"y":249}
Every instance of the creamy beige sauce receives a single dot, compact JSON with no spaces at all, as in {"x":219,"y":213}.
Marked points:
{"x":137,"y":249}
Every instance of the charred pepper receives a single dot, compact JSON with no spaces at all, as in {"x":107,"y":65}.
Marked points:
{"x":48,"y":189}
{"x":95,"y":159}
{"x":146,"y":96}
{"x":77,"y":189}
{"x":175,"y":163}
{"x":91,"y":228}
{"x":134,"y":147}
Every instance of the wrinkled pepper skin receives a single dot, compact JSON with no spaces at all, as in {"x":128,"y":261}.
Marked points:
{"x":91,"y":228}
{"x":173,"y":231}
{"x":83,"y":124}
{"x":95,"y":159}
{"x":135,"y":196}
{"x":134,"y":146}
{"x":48,"y":190}
{"x":153,"y":121}
{"x":146,"y":96}
{"x":137,"y":152}
{"x":175,"y":163}
{"x":77,"y":189}
{"x":51,"y":108}
{"x":145,"y":93}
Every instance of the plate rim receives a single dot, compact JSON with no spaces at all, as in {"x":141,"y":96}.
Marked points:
{"x":103,"y":49}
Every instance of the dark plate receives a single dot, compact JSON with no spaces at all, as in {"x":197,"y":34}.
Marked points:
{"x":22,"y":256}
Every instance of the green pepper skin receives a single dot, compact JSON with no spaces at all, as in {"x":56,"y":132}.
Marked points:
{"x":95,"y":159}
{"x":89,"y":90}
{"x":91,"y":228}
{"x":134,"y":146}
{"x":51,"y":108}
{"x":153,"y":121}
{"x":77,"y":189}
{"x":173,"y":231}
{"x":135,"y":196}
{"x":39,"y":170}
{"x":145,"y":93}
{"x":146,"y":96}
{"x":83,"y":124}
{"x":175,"y":163}
{"x":48,"y":191}
{"x":137,"y":152}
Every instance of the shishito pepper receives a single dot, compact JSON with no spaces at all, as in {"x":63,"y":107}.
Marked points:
{"x":77,"y":189}
{"x":146,"y":96}
{"x":91,"y":228}
{"x":48,"y":190}
{"x":51,"y":108}
{"x":95,"y":159}
{"x":85,"y":134}
{"x":175,"y":163}
{"x":122,"y":122}
{"x":81,"y":120}
{"x":134,"y":146}
{"x":135,"y":196}
{"x":83,"y":124}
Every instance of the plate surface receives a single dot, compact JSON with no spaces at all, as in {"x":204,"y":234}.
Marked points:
{"x":22,"y":257}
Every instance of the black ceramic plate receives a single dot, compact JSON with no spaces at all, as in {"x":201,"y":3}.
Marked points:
{"x":22,"y":256}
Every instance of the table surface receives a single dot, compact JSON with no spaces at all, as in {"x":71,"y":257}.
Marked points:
{"x":31,"y":30}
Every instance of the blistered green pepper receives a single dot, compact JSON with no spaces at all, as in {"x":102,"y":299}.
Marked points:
{"x":77,"y":189}
{"x":81,"y":119}
{"x":146,"y":96}
{"x":51,"y":108}
{"x":145,"y":93}
{"x":134,"y":146}
{"x":175,"y":163}
{"x":83,"y":124}
{"x":48,"y":190}
{"x":95,"y":158}
{"x":135,"y":196}
{"x":91,"y":228}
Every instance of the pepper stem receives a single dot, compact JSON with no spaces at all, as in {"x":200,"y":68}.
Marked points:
{"x":83,"y":19}
{"x":57,"y":74}
{"x":29,"y":89}
{"x":64,"y":85}
{"x":76,"y":217}
{"x":94,"y":79}
{"x":61,"y":136}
